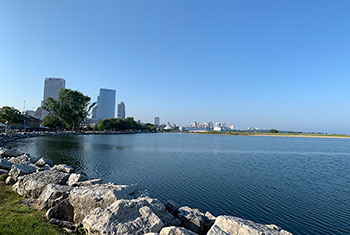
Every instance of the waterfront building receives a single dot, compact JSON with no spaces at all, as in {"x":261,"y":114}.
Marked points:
{"x":52,"y":87}
{"x":208,"y":125}
{"x":194,"y":124}
{"x":231,"y":127}
{"x":220,"y":126}
{"x":121,"y":110}
{"x":106,"y":104}
{"x":156,"y":121}
{"x":168,"y":126}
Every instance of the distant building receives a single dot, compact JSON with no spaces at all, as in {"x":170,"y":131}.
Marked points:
{"x":39,"y":112}
{"x":231,"y":127}
{"x":156,"y":121}
{"x":52,"y":87}
{"x":30,"y":112}
{"x":194,"y":124}
{"x":220,"y":126}
{"x":106,"y":104}
{"x":121,"y":110}
{"x":94,"y":112}
{"x":168,"y":126}
{"x":208,"y":125}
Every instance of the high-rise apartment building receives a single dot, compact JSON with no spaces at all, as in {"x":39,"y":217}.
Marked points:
{"x":121,"y":110}
{"x":52,"y":87}
{"x":106,"y":104}
{"x":156,"y":121}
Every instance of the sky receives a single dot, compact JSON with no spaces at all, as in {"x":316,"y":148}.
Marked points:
{"x":271,"y":64}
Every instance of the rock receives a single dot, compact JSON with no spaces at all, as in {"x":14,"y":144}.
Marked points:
{"x":44,"y":168}
{"x":21,"y":169}
{"x":52,"y":195}
{"x":89,"y":182}
{"x":74,"y":179}
{"x":43,"y":161}
{"x":172,"y":230}
{"x":33,"y":185}
{"x":85,"y":199}
{"x":61,"y":211}
{"x":172,"y":207}
{"x":210,"y":216}
{"x":123,"y":217}
{"x":4,"y":164}
{"x":10,"y":181}
{"x":64,"y":168}
{"x":2,"y":172}
{"x":194,"y":220}
{"x":10,"y":153}
{"x":234,"y":225}
{"x":22,"y":159}
{"x":64,"y":224}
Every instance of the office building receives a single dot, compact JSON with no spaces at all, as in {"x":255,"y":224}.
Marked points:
{"x":121,"y":110}
{"x":156,"y":121}
{"x":106,"y":104}
{"x":52,"y":87}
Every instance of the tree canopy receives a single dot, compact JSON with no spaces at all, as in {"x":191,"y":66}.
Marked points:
{"x":116,"y":124}
{"x":69,"y":111}
{"x":9,"y":115}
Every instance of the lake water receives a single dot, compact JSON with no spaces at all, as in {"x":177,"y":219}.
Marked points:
{"x":300,"y":184}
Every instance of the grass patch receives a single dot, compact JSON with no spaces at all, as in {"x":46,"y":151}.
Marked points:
{"x":19,"y":219}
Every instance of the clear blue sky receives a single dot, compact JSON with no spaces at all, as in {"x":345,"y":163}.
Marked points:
{"x":272,"y":64}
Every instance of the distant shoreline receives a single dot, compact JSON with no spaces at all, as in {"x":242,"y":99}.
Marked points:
{"x":302,"y":135}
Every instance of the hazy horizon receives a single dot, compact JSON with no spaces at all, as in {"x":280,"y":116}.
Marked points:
{"x":268,"y":64}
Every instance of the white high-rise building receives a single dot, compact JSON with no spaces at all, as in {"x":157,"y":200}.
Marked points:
{"x":121,"y":110}
{"x":106,"y":104}
{"x":156,"y":121}
{"x":52,"y":87}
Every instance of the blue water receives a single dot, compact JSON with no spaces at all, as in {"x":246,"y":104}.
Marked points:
{"x":300,"y":184}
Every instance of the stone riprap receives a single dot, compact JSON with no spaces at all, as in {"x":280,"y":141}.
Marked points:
{"x":72,"y":200}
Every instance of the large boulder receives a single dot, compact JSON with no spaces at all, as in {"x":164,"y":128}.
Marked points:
{"x":62,"y":211}
{"x":44,"y":161}
{"x":172,"y":230}
{"x":64,"y":224}
{"x":89,"y":182}
{"x":5,"y":164}
{"x":22,"y":159}
{"x":64,"y":168}
{"x":52,"y":195}
{"x":21,"y":169}
{"x":33,"y":185}
{"x":84,"y":199}
{"x":237,"y":226}
{"x":10,"y":153}
{"x":194,"y":220}
{"x":74,"y":179}
{"x":124,"y":217}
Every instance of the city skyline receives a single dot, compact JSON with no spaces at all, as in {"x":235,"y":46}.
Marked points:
{"x":272,"y":64}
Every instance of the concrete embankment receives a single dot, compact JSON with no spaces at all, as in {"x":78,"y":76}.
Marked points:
{"x":72,"y":200}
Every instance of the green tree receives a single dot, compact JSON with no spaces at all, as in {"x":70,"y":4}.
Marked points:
{"x":53,"y":121}
{"x":9,"y":115}
{"x":273,"y":131}
{"x":71,"y":109}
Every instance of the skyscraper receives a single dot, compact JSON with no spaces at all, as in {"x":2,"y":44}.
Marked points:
{"x":52,"y":87}
{"x":156,"y":121}
{"x":121,"y":110}
{"x":106,"y":104}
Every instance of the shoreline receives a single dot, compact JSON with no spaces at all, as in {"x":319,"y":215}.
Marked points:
{"x":275,"y":135}
{"x":74,"y":201}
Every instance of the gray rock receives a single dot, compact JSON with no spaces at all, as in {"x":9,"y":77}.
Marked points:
{"x":10,"y":153}
{"x":43,"y":161}
{"x":234,"y":225}
{"x":172,"y":230}
{"x":52,"y":195}
{"x":89,"y":182}
{"x":5,"y":164}
{"x":123,"y":217}
{"x":64,"y":224}
{"x":10,"y":181}
{"x":44,"y":168}
{"x":74,"y":179}
{"x":21,"y":169}
{"x":2,"y":172}
{"x":33,"y":185}
{"x":194,"y":220}
{"x":64,"y":168}
{"x":22,"y":159}
{"x":62,"y":211}
{"x":85,"y":199}
{"x":172,"y":207}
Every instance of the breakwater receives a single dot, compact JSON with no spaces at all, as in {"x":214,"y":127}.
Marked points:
{"x":73,"y":200}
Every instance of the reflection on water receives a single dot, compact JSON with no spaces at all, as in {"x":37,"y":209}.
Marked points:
{"x":300,"y":184}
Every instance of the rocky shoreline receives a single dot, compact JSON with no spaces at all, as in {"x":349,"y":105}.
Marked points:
{"x":72,"y":200}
